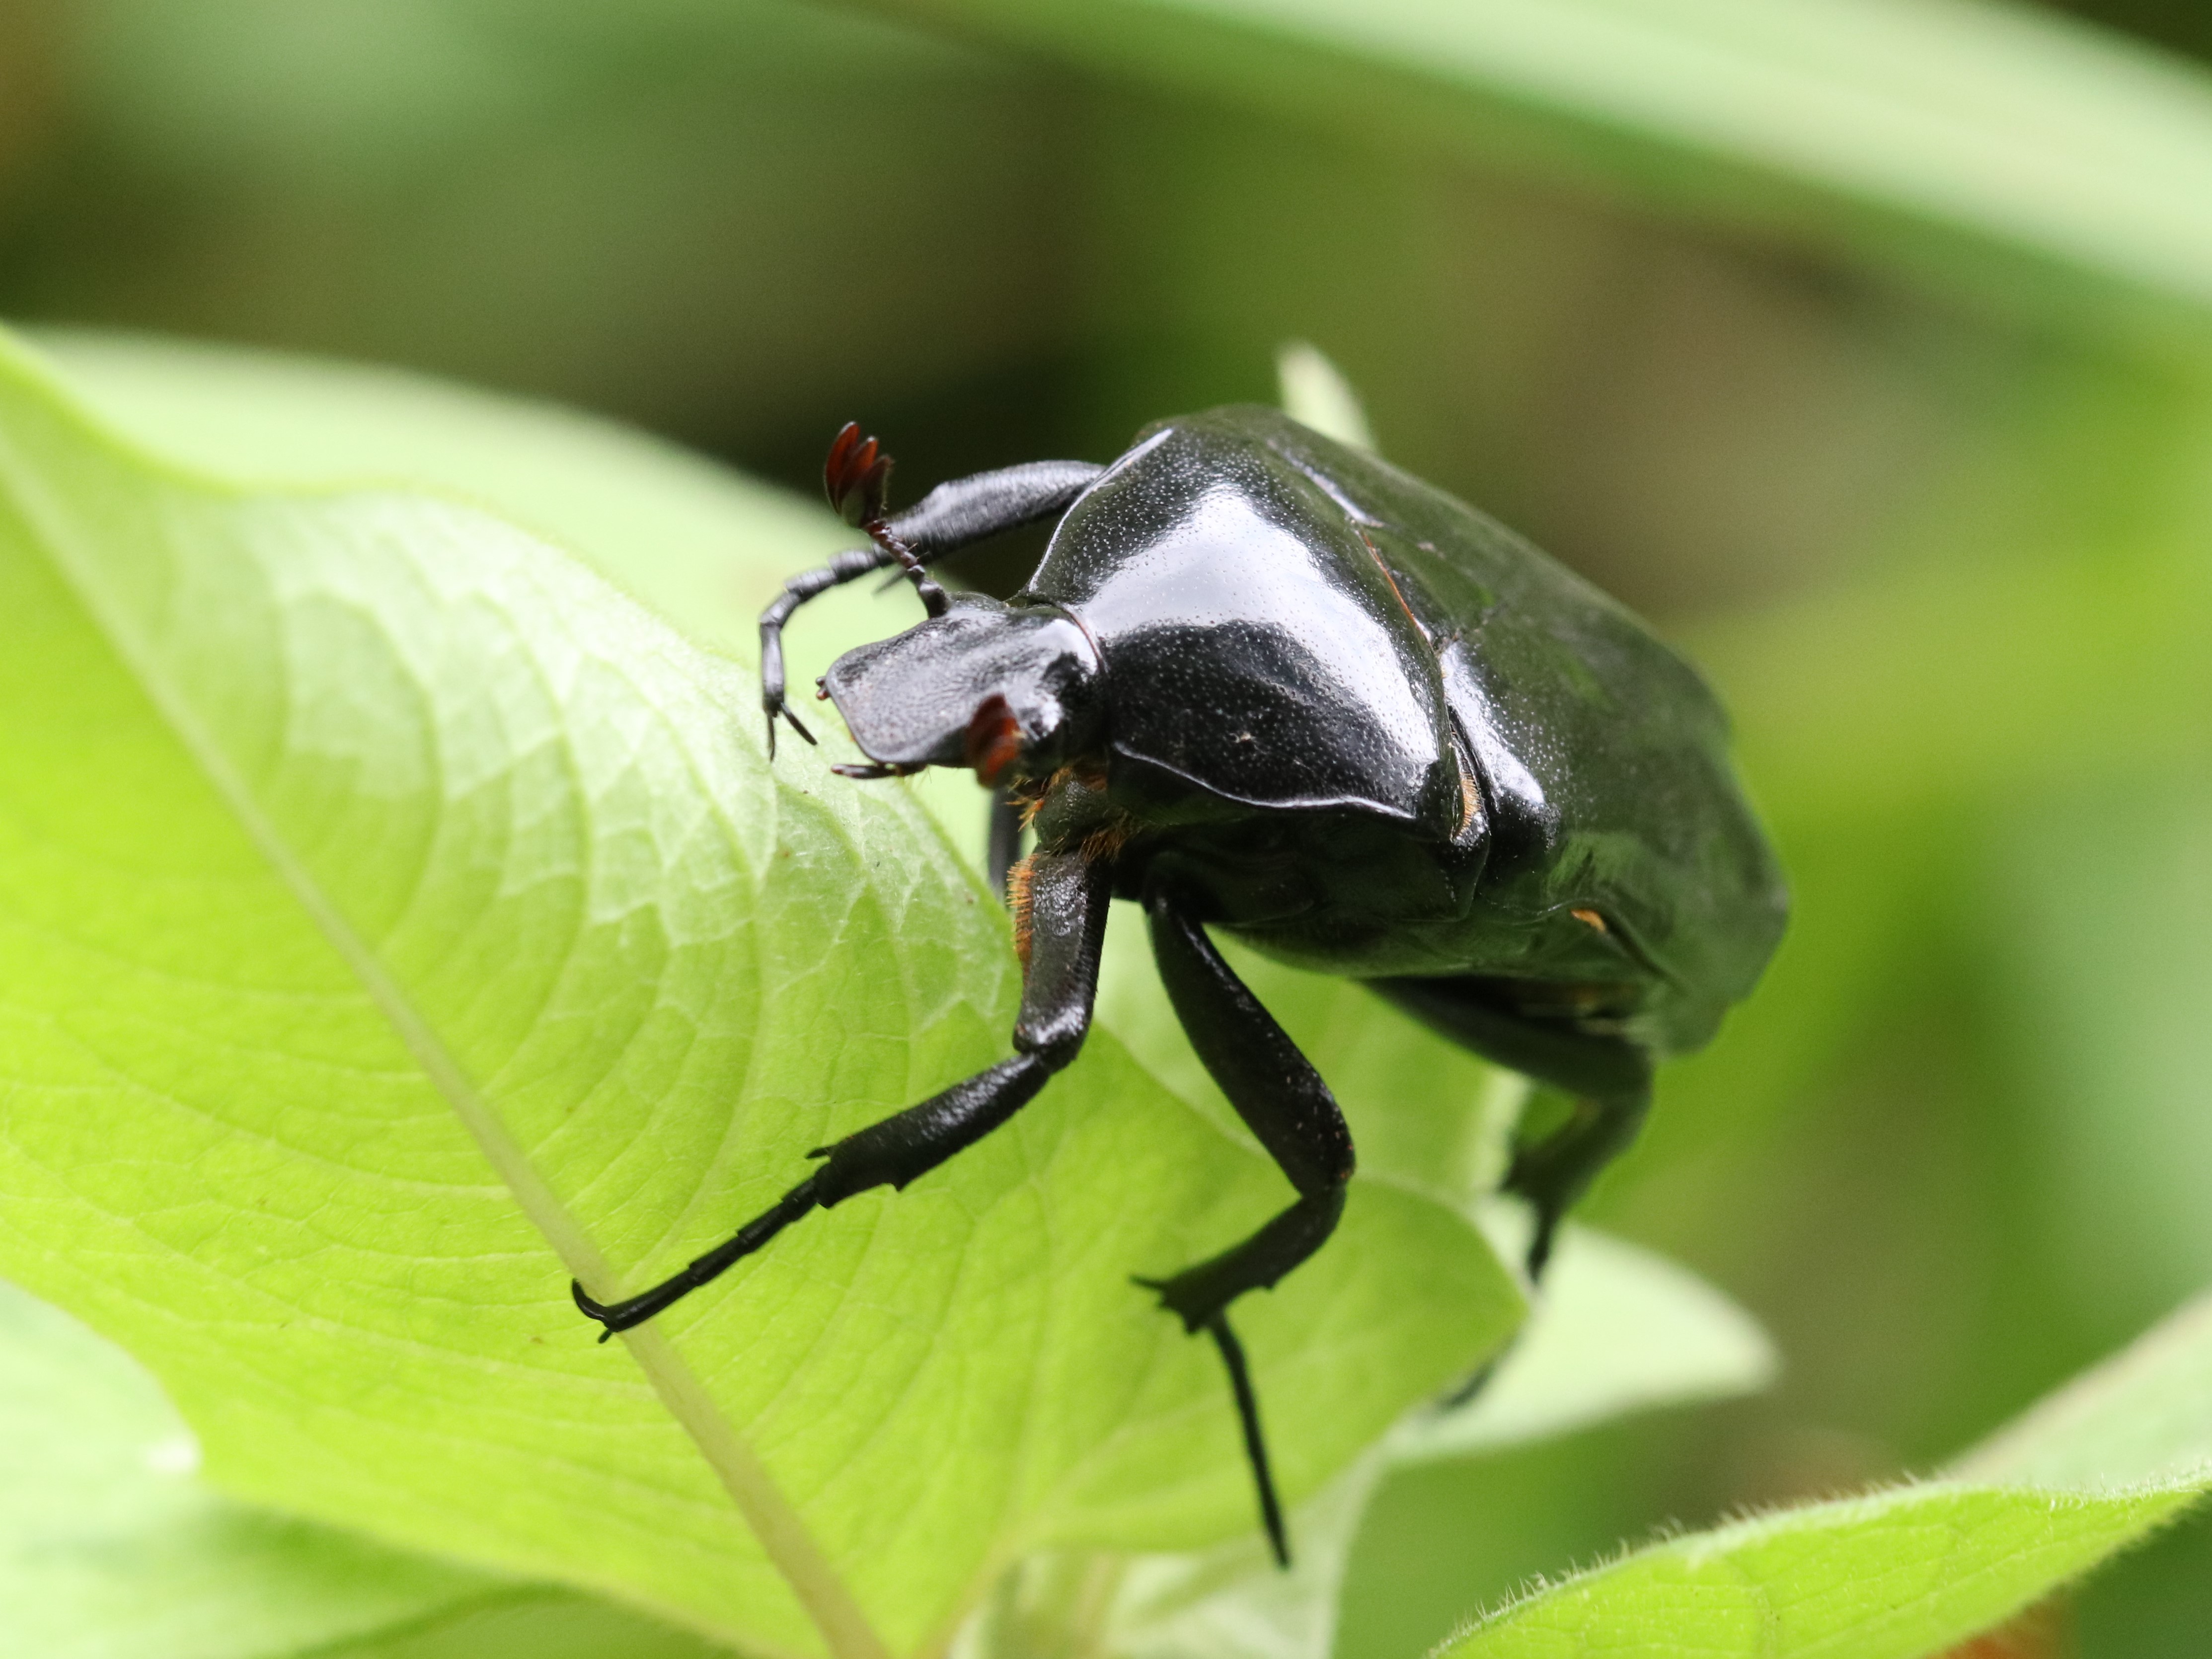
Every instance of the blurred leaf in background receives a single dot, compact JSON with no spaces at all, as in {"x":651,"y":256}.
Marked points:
{"x":1866,"y":343}
{"x":728,"y":218}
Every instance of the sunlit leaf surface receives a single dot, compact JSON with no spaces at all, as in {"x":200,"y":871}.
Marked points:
{"x":396,"y":921}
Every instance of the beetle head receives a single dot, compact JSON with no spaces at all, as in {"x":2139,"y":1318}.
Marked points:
{"x":1008,"y":691}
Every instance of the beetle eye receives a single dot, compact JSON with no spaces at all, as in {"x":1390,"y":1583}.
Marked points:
{"x":993,"y":741}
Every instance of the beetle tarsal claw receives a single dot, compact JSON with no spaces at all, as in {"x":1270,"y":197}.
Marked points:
{"x":1194,"y":1319}
{"x":776,"y":708}
{"x":592,"y":1310}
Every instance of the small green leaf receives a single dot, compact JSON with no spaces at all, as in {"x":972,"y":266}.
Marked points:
{"x":111,"y":1547}
{"x":395,"y":920}
{"x":1911,"y":1571}
{"x":1313,"y":390}
{"x":1617,"y":1329}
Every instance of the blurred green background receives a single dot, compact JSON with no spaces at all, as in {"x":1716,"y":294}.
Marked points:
{"x":1865,"y":346}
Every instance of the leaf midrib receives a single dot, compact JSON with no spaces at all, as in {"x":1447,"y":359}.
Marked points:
{"x":774,"y":1522}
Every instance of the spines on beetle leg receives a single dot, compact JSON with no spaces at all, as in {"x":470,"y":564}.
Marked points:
{"x":1020,"y":901}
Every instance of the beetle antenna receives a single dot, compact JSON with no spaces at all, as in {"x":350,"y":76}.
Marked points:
{"x":933,"y":598}
{"x":856,"y":477}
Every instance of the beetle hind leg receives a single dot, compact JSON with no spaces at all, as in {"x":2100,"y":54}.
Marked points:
{"x":1255,"y":1442}
{"x":1555,"y":1171}
{"x":1283,"y":1101}
{"x":1200,"y":1294}
{"x":1609,"y":1077}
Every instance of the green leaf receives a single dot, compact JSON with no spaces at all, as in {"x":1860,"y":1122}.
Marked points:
{"x":110,"y":1546}
{"x":702,"y":545}
{"x":1617,"y":1329}
{"x":1314,"y":391}
{"x":1909,"y":1571}
{"x":395,"y":920}
{"x":138,"y":1558}
{"x":1899,"y":121}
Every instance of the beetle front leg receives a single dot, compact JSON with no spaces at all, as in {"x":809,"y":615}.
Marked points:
{"x":1066,"y":899}
{"x":952,"y":516}
{"x":811,"y":584}
{"x":1283,"y":1101}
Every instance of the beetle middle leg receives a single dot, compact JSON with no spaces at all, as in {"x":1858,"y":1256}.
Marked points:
{"x":1066,"y":901}
{"x":1283,"y":1101}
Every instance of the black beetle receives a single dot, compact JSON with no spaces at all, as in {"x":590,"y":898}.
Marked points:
{"x":1267,"y":682}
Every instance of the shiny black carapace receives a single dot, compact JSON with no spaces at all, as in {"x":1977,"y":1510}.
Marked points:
{"x":1265,"y":683}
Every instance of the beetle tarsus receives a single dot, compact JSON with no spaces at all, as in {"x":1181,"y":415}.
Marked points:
{"x":1255,"y":1442}
{"x":1288,"y":1108}
{"x":1057,"y":993}
{"x":784,"y":712}
{"x":1477,"y":1380}
{"x":1557,"y":1170}
{"x":703,"y":1269}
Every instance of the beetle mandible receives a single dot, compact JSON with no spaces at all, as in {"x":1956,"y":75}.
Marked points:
{"x":1266,"y":683}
